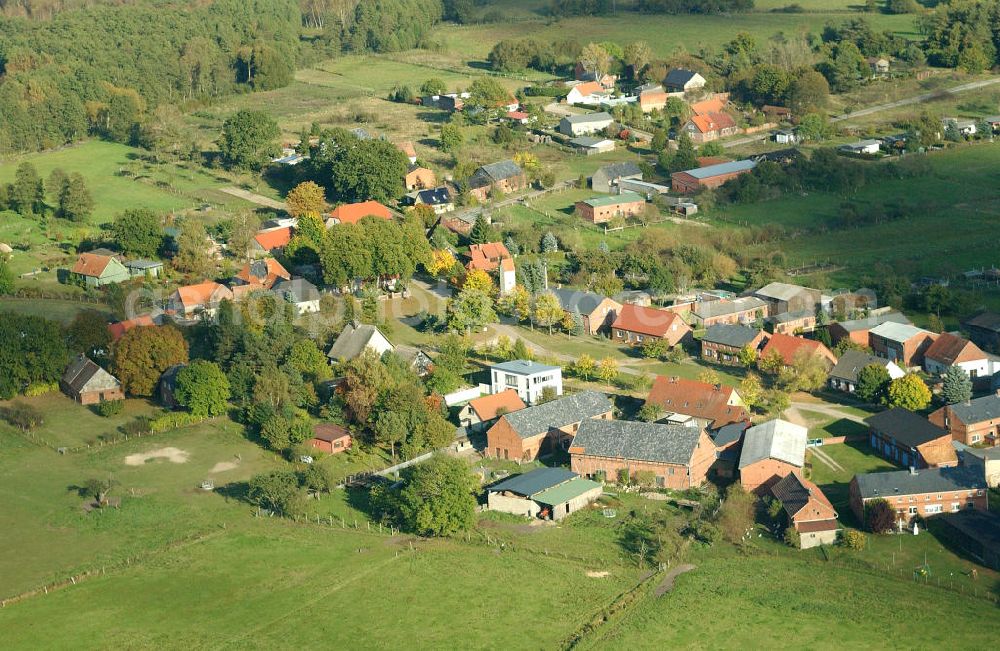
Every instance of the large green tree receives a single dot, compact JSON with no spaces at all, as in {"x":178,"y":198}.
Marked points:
{"x":438,"y":498}
{"x":143,"y":354}
{"x":203,"y":388}
{"x":366,"y":169}
{"x":32,"y":351}
{"x":138,"y":232}
{"x":27,"y":194}
{"x":873,"y":382}
{"x":248,"y":139}
{"x":75,"y":201}
{"x":88,"y":334}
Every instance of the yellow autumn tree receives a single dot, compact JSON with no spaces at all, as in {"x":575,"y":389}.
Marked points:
{"x":304,"y":198}
{"x":442,"y":261}
{"x":479,"y":280}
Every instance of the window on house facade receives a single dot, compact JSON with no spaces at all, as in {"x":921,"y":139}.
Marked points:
{"x":661,"y":481}
{"x":956,"y":506}
{"x":932,"y":508}
{"x":913,"y":510}
{"x":976,"y":438}
{"x":510,"y":380}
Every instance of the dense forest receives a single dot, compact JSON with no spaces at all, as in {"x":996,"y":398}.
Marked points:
{"x":69,"y":68}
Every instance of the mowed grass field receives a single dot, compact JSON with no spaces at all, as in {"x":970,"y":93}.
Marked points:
{"x":162,"y":187}
{"x":952,"y":225}
{"x":206,"y":573}
{"x":758,"y":601}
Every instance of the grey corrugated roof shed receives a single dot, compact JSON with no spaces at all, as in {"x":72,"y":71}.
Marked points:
{"x":978,"y":410}
{"x":928,"y":480}
{"x":535,"y":481}
{"x":709,"y":309}
{"x":620,"y":170}
{"x":905,"y":426}
{"x":587,"y":141}
{"x":986,"y":321}
{"x":84,"y":375}
{"x":736,"y":336}
{"x":558,"y":413}
{"x":873,"y":321}
{"x":572,"y":299}
{"x":623,"y":439}
{"x":722,"y":168}
{"x":776,"y":439}
{"x":851,"y":363}
{"x":899,"y":332}
{"x":501,"y":170}
{"x":782,"y":291}
{"x":587,"y":118}
{"x":300,"y":290}
{"x":352,"y":341}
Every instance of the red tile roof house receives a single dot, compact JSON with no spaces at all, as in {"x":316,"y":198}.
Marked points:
{"x":808,"y":510}
{"x":709,"y":177}
{"x":330,"y":438}
{"x":710,"y":126}
{"x":201,"y":300}
{"x":636,"y":324}
{"x":771,"y":451}
{"x":973,"y":422}
{"x":920,"y":492}
{"x":262,"y":273}
{"x":482,"y":412}
{"x":787,"y":347}
{"x":352,"y":213}
{"x":678,"y":456}
{"x":712,"y":405}
{"x":272,"y":240}
{"x":526,"y":434}
{"x":910,"y":440}
{"x":901,"y":343}
{"x":88,"y":383}
{"x":490,"y":256}
{"x":950,"y":350}
{"x":95,"y":270}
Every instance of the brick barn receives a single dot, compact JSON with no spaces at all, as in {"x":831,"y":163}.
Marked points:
{"x":525,"y":434}
{"x":678,"y":456}
{"x":771,"y":451}
{"x":330,"y":438}
{"x":88,"y":383}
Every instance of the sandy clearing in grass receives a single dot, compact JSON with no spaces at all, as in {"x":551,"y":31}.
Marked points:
{"x":597,"y":575}
{"x":173,"y":455}
{"x":223,"y":466}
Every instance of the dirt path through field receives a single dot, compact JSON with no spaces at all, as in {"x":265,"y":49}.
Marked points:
{"x":668,"y":581}
{"x":258,"y":199}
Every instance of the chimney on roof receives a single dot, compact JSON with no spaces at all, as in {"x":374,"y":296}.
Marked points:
{"x":913,"y":470}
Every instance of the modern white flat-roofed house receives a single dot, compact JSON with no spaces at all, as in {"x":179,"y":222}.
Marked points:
{"x":526,"y":377}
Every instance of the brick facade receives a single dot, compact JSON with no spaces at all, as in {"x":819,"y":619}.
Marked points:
{"x":668,"y":475}
{"x":924,"y":505}
{"x":502,"y":442}
{"x":604,"y":214}
{"x":761,"y":475}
